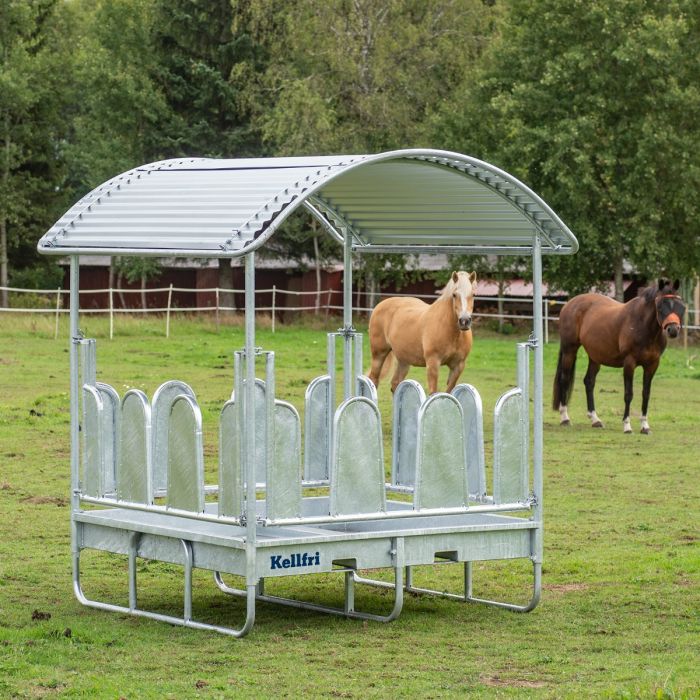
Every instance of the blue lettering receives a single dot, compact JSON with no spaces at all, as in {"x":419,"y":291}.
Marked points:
{"x":294,"y":560}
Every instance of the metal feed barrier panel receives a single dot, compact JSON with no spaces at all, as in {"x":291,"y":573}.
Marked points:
{"x":142,"y":480}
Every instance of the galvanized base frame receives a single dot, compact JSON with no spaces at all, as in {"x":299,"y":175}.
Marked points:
{"x":344,"y":547}
{"x":467,"y":596}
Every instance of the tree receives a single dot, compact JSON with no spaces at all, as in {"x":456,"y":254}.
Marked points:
{"x":33,"y":109}
{"x":591,"y":103}
{"x":198,"y":45}
{"x":358,"y":76}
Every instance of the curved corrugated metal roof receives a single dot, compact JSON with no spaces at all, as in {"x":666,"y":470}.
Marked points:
{"x":397,"y":201}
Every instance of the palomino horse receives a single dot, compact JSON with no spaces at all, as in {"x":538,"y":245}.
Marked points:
{"x":616,"y":335}
{"x":424,"y":335}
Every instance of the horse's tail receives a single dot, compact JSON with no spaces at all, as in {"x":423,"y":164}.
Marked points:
{"x":386,"y":365}
{"x":563,"y":381}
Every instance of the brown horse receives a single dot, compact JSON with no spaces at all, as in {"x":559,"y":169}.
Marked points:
{"x":616,"y":335}
{"x":424,"y":335}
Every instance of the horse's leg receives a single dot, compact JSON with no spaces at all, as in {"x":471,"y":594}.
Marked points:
{"x":628,"y":372}
{"x":432,"y":363}
{"x":589,"y":381}
{"x":378,"y":359}
{"x":453,"y":376}
{"x":649,"y":372}
{"x":399,"y":374}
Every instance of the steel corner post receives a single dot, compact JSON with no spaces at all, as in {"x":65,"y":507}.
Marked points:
{"x":538,"y":417}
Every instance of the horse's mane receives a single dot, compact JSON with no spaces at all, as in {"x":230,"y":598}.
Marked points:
{"x":451,"y":284}
{"x":649,"y":294}
{"x":447,"y":289}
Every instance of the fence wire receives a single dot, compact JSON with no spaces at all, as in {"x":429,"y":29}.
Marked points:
{"x":550,"y":306}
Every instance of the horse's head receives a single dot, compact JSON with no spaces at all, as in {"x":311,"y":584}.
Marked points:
{"x":462,"y":287}
{"x":670,"y":308}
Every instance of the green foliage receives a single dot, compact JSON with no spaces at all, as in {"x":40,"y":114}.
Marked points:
{"x":45,"y":274}
{"x":590,"y":103}
{"x":34,"y":110}
{"x":196,"y":51}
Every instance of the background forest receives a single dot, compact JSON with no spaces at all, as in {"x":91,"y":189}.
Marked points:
{"x":592,"y":103}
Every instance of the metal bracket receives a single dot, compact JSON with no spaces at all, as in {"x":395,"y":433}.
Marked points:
{"x":532,"y":341}
{"x":347,"y":331}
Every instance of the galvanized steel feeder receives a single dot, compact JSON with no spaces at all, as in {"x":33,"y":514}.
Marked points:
{"x":137,"y":474}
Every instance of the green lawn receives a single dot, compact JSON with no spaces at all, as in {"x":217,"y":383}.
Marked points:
{"x":620,"y":611}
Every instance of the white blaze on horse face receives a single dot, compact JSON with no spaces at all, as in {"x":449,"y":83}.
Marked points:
{"x":463,"y":287}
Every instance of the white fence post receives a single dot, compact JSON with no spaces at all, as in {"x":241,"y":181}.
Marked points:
{"x":217,"y":309}
{"x":274,"y":296}
{"x":111,"y":314}
{"x":58,"y":306}
{"x":167,"y":313}
{"x":546,"y":320}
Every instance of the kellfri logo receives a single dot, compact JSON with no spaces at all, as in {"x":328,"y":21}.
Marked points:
{"x":295,"y":560}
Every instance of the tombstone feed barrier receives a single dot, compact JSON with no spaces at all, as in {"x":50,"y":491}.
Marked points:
{"x":137,"y":469}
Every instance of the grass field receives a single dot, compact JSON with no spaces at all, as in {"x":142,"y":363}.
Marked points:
{"x":620,"y":611}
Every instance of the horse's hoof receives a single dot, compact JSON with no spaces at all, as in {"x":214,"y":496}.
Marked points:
{"x":597,"y":424}
{"x":566,"y":422}
{"x":645,"y":431}
{"x":627,"y":431}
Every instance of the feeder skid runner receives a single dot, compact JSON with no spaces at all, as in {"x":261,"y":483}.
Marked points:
{"x":293,"y":499}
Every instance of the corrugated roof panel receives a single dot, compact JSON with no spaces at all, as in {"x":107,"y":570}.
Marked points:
{"x":205,"y":207}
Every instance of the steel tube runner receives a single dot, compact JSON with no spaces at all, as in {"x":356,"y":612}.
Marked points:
{"x":308,"y":520}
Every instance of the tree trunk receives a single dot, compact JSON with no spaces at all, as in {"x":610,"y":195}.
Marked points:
{"x":4,"y":260}
{"x":119,"y":290}
{"x":4,"y":273}
{"x":143,"y":292}
{"x":226,"y":282}
{"x":619,"y":288}
{"x":501,"y":292}
{"x":317,"y":262}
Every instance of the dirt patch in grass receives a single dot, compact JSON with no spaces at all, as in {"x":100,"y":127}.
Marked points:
{"x":565,"y":587}
{"x":45,"y":500}
{"x":498,"y":682}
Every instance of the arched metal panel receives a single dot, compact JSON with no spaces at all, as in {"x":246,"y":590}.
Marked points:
{"x":283,"y":486}
{"x":441,"y":474}
{"x":470,"y":400}
{"x":317,"y":439}
{"x":93,"y":443}
{"x":357,"y":474}
{"x":134,"y":476}
{"x":185,"y":456}
{"x":510,"y":477}
{"x":230,"y":460}
{"x":163,"y":399}
{"x":110,"y":431}
{"x":408,"y":398}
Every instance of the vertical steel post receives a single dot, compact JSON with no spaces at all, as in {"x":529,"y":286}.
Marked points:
{"x":74,"y":409}
{"x":347,"y":315}
{"x":249,"y":405}
{"x":538,"y":443}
